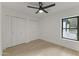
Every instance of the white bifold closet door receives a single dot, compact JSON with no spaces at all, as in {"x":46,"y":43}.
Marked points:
{"x":13,"y":31}
{"x":18,"y":30}
{"x":6,"y":32}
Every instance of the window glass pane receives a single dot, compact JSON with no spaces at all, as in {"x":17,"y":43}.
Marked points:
{"x":70,"y":28}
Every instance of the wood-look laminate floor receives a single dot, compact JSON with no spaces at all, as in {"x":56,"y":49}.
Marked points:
{"x":39,"y":48}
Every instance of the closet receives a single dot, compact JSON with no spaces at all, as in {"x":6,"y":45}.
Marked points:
{"x":14,"y":31}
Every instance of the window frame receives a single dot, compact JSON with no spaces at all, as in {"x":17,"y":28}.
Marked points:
{"x":72,"y":28}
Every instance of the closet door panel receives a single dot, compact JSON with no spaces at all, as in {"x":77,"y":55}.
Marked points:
{"x":18,"y":31}
{"x":33,"y":28}
{"x":6,"y":32}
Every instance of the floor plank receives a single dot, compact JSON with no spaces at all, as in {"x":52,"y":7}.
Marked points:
{"x":39,"y":48}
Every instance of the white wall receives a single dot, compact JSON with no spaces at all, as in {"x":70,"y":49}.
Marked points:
{"x":28,"y":28}
{"x":50,"y":27}
{"x":0,"y":30}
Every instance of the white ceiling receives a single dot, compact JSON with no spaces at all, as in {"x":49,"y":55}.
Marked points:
{"x":22,"y":7}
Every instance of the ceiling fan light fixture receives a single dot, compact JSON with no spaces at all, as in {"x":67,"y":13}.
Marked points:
{"x":40,"y":11}
{"x":42,"y":8}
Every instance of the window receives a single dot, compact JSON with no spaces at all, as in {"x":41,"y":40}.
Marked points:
{"x":70,"y":28}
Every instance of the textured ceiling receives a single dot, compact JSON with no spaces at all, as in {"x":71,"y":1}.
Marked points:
{"x":22,"y":7}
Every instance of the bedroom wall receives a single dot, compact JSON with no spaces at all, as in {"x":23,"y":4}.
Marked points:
{"x":0,"y":30}
{"x":29,"y":28}
{"x":50,"y":27}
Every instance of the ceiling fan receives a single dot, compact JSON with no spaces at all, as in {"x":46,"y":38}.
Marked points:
{"x":41,"y":8}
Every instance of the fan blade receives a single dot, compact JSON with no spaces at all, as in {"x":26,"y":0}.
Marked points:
{"x":49,"y":6}
{"x":45,"y":11}
{"x":32,"y":7}
{"x":37,"y":11}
